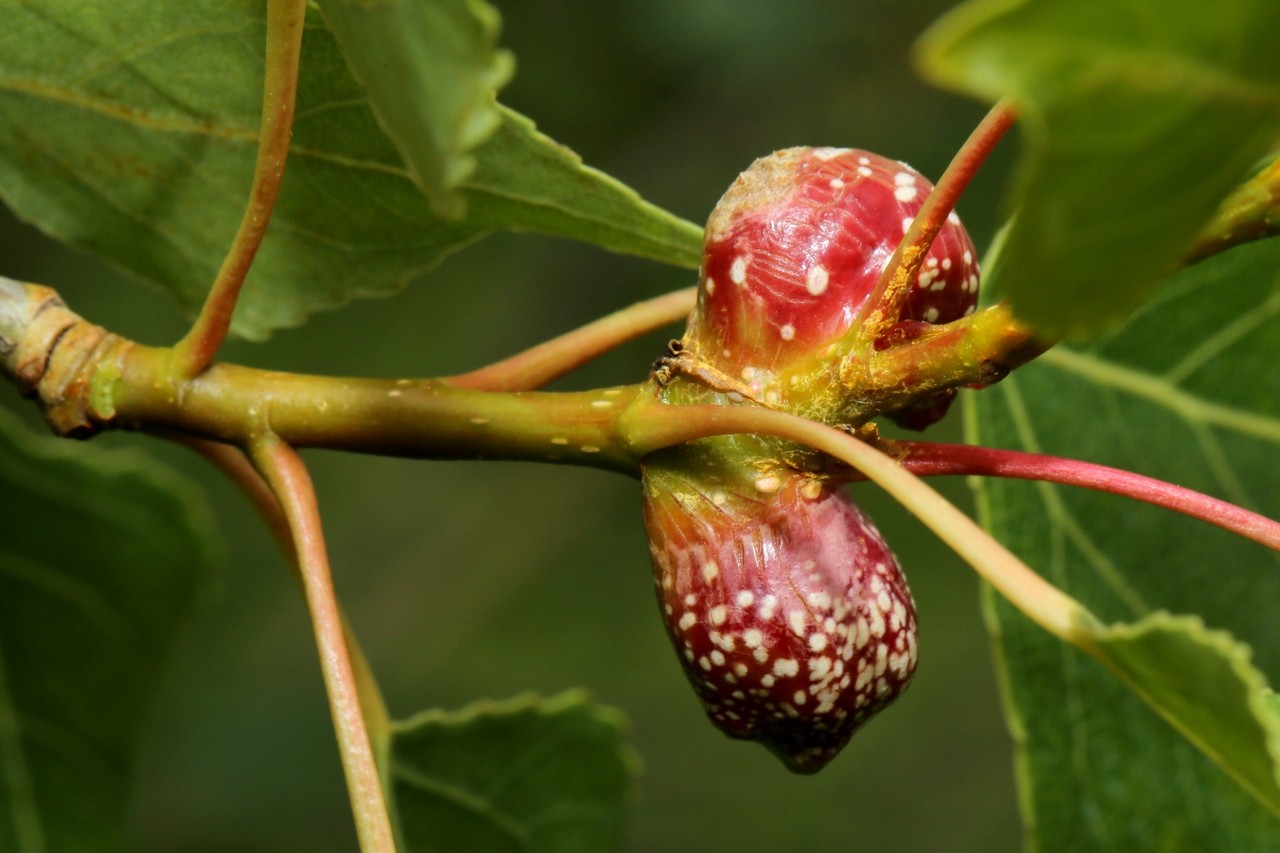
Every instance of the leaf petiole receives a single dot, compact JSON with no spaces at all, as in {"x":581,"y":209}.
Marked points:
{"x":200,"y":345}
{"x":883,"y":306}
{"x":929,"y":459}
{"x":283,"y":470}
{"x":552,"y":359}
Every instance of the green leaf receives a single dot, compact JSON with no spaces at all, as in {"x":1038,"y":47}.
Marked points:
{"x":131,"y":132}
{"x":1137,"y":120}
{"x":1186,"y":391}
{"x":1203,"y":682}
{"x":527,"y":181}
{"x":431,"y":69}
{"x":527,"y":774}
{"x":87,"y":616}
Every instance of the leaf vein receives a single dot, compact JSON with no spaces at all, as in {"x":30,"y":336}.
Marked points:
{"x":468,"y":800}
{"x":1190,"y":407}
{"x":20,"y":796}
{"x":1223,"y":339}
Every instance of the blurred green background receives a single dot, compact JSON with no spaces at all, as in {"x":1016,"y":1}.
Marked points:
{"x":470,"y":580}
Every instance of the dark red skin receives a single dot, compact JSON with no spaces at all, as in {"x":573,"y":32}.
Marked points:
{"x":789,"y":612}
{"x":795,"y":248}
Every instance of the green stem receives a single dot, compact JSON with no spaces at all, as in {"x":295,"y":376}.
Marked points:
{"x":1251,"y":213}
{"x":975,"y":351}
{"x":283,"y":469}
{"x":197,"y":349}
{"x":652,"y":426}
{"x":412,"y":418}
{"x":547,"y":361}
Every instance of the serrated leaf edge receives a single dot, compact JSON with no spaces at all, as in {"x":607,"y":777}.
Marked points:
{"x":1238,"y":655}
{"x":561,"y":703}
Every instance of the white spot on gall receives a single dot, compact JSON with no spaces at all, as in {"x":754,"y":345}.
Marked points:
{"x":479,"y":421}
{"x":816,"y":281}
{"x":785,"y":667}
{"x":690,"y":600}
{"x":738,"y":270}
{"x":904,"y":179}
{"x":829,"y":153}
{"x":800,"y":698}
{"x":710,"y":570}
{"x":768,"y":484}
{"x":796,"y":619}
{"x":745,"y":599}
{"x":877,"y":623}
{"x":864,"y":171}
{"x":740,"y":669}
{"x":704,"y":663}
{"x":760,"y":655}
{"x":589,"y":448}
{"x":836,"y":184}
{"x":561,"y":441}
{"x":788,"y":332}
{"x":906,"y":223}
{"x":767,"y":680}
{"x":717,"y":657}
{"x":601,"y":404}
{"x":817,"y":642}
{"x":718,"y":614}
{"x":905,"y":194}
{"x":711,"y":287}
{"x":686,"y":621}
{"x":899,"y":663}
{"x":931,"y":315}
